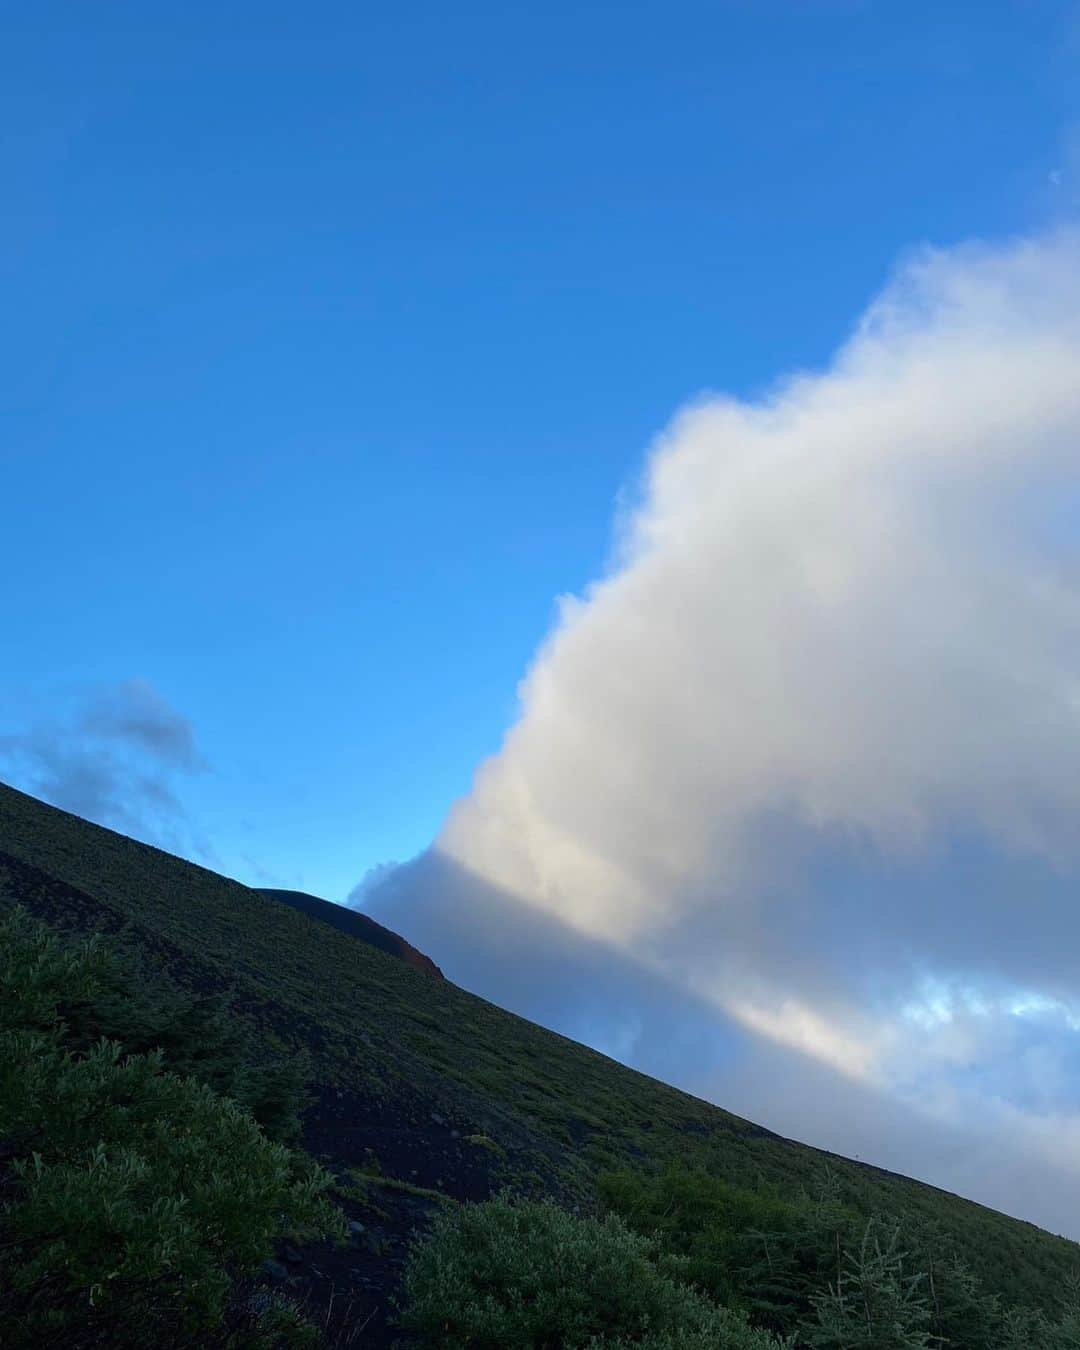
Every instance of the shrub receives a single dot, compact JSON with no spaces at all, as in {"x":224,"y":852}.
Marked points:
{"x":508,"y":1275}
{"x":804,"y":1264}
{"x":747,"y":1248}
{"x":134,"y":1197}
{"x":92,"y":990}
{"x":721,"y":1330}
{"x":873,"y":1305}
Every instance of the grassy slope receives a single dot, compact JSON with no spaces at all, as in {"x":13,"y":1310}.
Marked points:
{"x":420,"y":1068}
{"x":357,"y":924}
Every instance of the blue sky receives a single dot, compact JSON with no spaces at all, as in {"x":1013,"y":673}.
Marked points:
{"x":333,"y":331}
{"x":337,"y":339}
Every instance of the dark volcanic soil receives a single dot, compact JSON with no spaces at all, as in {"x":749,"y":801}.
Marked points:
{"x":349,"y":1290}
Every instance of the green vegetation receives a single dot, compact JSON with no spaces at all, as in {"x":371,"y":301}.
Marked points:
{"x":220,"y":1000}
{"x":513,"y":1276}
{"x":134,"y":1197}
{"x":808,"y":1264}
{"x":363,"y":1181}
{"x":874,"y":1303}
{"x":720,"y":1268}
{"x":100,"y":990}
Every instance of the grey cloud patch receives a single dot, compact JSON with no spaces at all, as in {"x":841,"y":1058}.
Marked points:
{"x":372,"y":878}
{"x":113,"y":757}
{"x":524,"y":959}
{"x":528,"y":961}
{"x":136,"y":715}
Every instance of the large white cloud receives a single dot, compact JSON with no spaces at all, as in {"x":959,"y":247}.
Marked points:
{"x":811,"y":748}
{"x":839,"y":602}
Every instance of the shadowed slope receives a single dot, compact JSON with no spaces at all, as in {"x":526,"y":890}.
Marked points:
{"x":357,"y":925}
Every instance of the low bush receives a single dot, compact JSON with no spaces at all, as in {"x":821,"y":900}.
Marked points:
{"x":527,"y":1275}
{"x":134,"y":1199}
{"x":93,"y":989}
{"x":748,"y":1248}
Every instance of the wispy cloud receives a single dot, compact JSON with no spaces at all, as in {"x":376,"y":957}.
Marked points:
{"x":113,"y":757}
{"x":134,"y":714}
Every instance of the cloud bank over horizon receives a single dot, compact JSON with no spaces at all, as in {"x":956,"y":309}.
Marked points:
{"x":809,"y":752}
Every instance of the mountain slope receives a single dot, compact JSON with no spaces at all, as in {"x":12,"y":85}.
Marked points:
{"x":358,"y":925}
{"x":431,"y":1085}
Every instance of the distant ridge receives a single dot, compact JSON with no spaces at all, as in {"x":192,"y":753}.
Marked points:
{"x":357,"y":925}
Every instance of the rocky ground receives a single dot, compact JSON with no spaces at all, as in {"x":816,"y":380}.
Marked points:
{"x":395,"y":1171}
